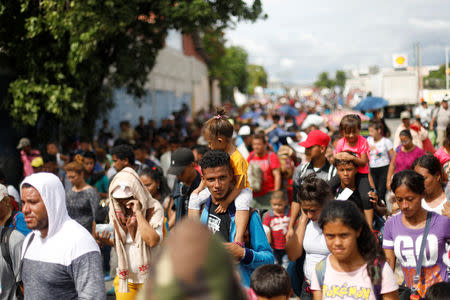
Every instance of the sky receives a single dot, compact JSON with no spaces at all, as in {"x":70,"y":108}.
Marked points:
{"x":300,"y":38}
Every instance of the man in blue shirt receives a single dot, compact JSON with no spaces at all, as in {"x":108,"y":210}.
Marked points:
{"x":219,"y":179}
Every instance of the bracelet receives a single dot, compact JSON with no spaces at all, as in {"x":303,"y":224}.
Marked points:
{"x":240,"y":244}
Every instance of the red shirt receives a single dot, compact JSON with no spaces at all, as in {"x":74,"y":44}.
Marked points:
{"x":268,"y":180}
{"x":278,"y":226}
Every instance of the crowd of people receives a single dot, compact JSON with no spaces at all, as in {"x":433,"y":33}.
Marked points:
{"x":261,"y":202}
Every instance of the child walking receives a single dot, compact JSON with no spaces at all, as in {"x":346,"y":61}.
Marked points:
{"x":218,"y":132}
{"x":275,"y":224}
{"x":353,"y":142}
{"x":381,"y":153}
{"x":356,"y":267}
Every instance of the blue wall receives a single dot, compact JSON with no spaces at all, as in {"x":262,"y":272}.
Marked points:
{"x":156,"y":105}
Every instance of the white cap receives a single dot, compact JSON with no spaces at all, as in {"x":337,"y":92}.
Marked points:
{"x":3,"y":192}
{"x":244,"y":130}
{"x":122,"y":192}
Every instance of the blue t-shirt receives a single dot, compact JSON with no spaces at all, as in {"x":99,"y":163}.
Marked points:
{"x":17,"y":221}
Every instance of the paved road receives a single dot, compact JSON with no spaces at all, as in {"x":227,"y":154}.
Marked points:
{"x":391,"y":123}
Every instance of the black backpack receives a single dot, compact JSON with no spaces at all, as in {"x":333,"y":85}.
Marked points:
{"x":4,"y":238}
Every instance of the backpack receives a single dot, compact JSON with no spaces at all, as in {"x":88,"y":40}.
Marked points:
{"x":255,"y":173}
{"x":4,"y":238}
{"x":320,"y":273}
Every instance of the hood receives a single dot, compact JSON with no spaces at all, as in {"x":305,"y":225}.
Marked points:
{"x":129,"y":178}
{"x":52,"y":192}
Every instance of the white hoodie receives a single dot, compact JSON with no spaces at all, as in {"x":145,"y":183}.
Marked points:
{"x":66,"y":264}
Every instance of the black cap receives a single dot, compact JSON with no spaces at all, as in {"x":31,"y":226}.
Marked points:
{"x":181,"y":158}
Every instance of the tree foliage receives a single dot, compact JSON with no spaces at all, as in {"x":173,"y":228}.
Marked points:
{"x":67,"y":56}
{"x":436,"y":79}
{"x":228,"y":64}
{"x":325,"y":82}
{"x":340,"y":78}
{"x":257,"y":77}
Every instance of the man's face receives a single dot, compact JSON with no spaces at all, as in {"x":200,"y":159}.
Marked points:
{"x":140,"y":155}
{"x":186,"y":174}
{"x":406,"y":122}
{"x":258,"y":146}
{"x":314,"y":152}
{"x":444,"y":105}
{"x":219,"y":181}
{"x":347,"y":173}
{"x":34,"y":209}
{"x":118,"y":163}
{"x":52,"y":149}
{"x":88,"y":164}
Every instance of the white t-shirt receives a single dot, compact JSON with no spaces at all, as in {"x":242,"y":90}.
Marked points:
{"x":352,"y":285}
{"x":315,"y":248}
{"x":379,"y":152}
{"x":438,"y":209}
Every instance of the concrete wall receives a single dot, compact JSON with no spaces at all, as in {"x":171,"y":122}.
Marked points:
{"x":174,"y":80}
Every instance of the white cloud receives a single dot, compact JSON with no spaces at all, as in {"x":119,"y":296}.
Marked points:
{"x":300,"y":39}
{"x":286,"y":63}
{"x":430,"y":24}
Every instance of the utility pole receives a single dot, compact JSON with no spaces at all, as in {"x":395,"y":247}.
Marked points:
{"x":419,"y":73}
{"x":446,"y":69}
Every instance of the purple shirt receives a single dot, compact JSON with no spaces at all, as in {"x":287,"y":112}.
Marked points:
{"x":404,"y":160}
{"x":406,"y":244}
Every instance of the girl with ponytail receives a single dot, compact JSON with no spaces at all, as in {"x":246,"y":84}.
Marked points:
{"x":356,"y":267}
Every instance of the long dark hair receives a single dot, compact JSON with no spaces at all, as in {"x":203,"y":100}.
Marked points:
{"x":157,"y":175}
{"x":369,"y":248}
{"x":413,"y":180}
{"x":313,"y":188}
{"x":431,"y":163}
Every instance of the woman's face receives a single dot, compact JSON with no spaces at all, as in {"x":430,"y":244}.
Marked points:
{"x":406,"y":142}
{"x":150,"y":184}
{"x":432,"y":182}
{"x":409,"y":202}
{"x":312,"y":210}
{"x":341,"y":239}
{"x":75,"y":178}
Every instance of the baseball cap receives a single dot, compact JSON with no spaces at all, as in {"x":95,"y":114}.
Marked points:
{"x":405,"y":115}
{"x":23,"y":143}
{"x":181,"y":158}
{"x":316,"y":137}
{"x":122,"y":191}
{"x":37,"y":162}
{"x":244,"y":130}
{"x":3,"y":192}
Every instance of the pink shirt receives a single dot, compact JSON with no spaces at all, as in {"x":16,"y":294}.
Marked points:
{"x":352,"y":285}
{"x":442,"y":155}
{"x":361,"y":147}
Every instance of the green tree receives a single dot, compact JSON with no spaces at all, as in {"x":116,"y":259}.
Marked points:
{"x":340,"y":78}
{"x":324,"y":81}
{"x":257,"y":77}
{"x":235,"y":73}
{"x":436,"y":79}
{"x":227,"y":64}
{"x":68,"y":56}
